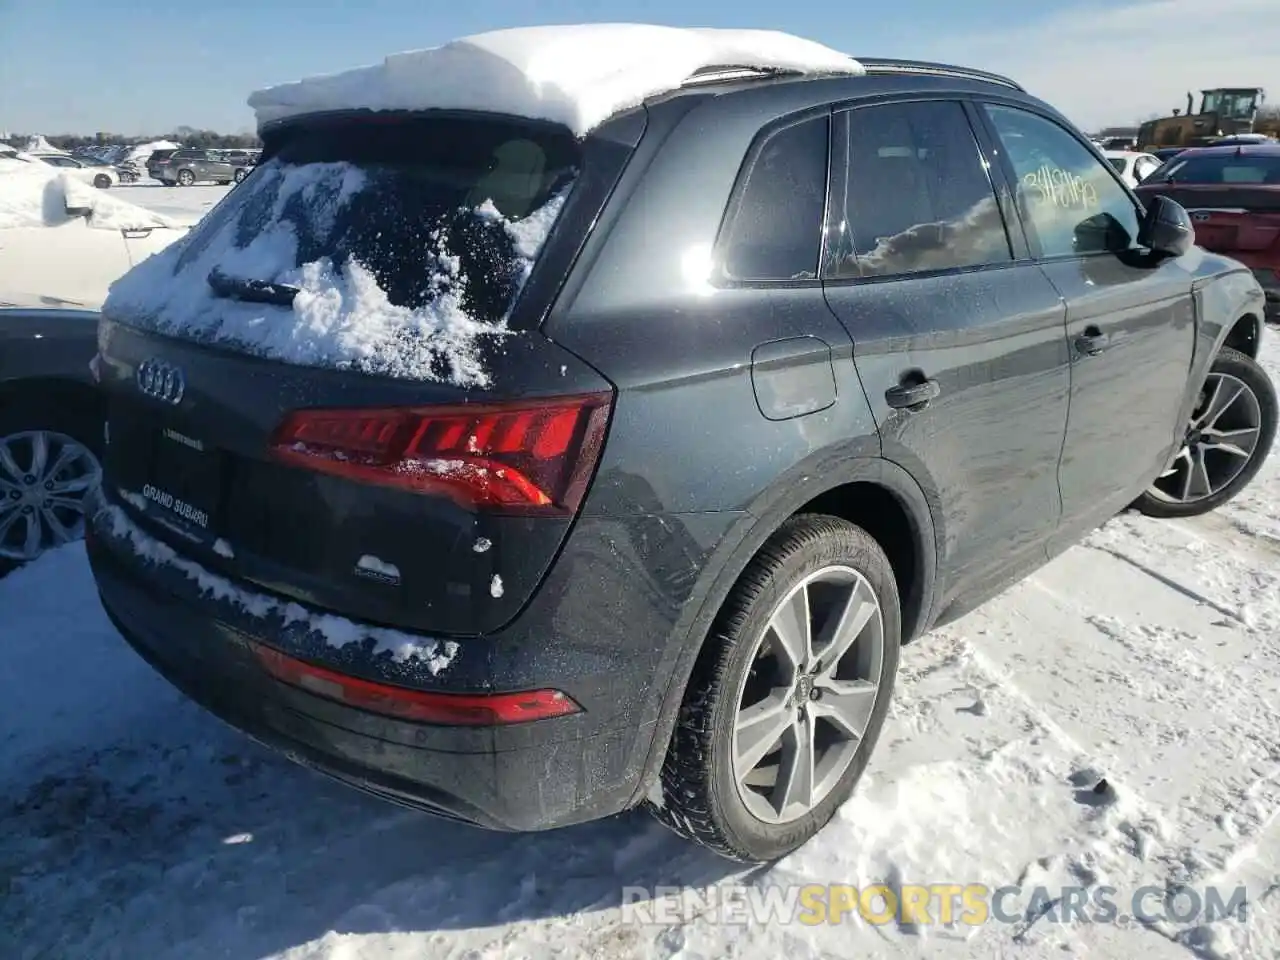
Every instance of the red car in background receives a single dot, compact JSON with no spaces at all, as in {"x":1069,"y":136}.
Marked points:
{"x":1233,"y":196}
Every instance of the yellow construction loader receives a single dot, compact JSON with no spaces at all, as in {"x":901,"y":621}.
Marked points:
{"x":1223,"y":111}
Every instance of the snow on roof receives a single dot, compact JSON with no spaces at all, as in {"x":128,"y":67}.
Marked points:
{"x":578,"y":75}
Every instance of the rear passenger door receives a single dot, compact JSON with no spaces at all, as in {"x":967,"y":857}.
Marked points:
{"x":958,"y":336}
{"x":1130,"y":320}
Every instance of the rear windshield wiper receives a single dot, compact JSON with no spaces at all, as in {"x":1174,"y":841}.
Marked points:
{"x":252,"y":291}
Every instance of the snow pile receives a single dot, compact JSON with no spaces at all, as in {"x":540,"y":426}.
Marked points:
{"x":109,"y":211}
{"x":340,"y":317}
{"x":576,"y":75}
{"x":37,"y":195}
{"x":336,"y":631}
{"x":39,"y":144}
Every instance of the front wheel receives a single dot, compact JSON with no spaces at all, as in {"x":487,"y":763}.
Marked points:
{"x":102,"y":181}
{"x":1225,"y":442}
{"x":241,"y":174}
{"x":788,"y":696}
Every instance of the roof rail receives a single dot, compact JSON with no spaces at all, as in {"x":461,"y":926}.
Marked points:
{"x":881,"y":65}
{"x":727,"y":73}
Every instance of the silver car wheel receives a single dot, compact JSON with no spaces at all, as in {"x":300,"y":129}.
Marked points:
{"x":44,"y":479}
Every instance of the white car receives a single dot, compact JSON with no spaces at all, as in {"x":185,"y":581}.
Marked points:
{"x":100,"y":175}
{"x":1133,"y":167}
{"x":63,"y":243}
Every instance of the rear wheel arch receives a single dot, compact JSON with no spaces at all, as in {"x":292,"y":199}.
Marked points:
{"x":870,"y":492}
{"x":62,"y":402}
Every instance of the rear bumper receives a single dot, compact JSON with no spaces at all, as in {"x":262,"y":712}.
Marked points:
{"x":528,"y":776}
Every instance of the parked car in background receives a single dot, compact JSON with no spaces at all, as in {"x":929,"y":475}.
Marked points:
{"x":245,"y":156}
{"x":130,"y":172}
{"x":480,"y":500}
{"x":187,"y":166}
{"x":1236,"y":139}
{"x":51,"y":423}
{"x":156,"y":161}
{"x":62,"y":243}
{"x":1132,"y":166}
{"x":1232,"y":194}
{"x":98,"y":174}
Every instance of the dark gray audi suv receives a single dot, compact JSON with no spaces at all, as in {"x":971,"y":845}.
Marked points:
{"x":804,"y":367}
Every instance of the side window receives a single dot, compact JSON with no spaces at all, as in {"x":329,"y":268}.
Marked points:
{"x":775,"y":228}
{"x":918,"y":196}
{"x":1069,"y":200}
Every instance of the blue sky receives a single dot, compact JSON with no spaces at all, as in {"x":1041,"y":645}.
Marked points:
{"x":143,"y":66}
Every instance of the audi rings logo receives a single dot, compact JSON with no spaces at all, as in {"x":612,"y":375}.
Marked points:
{"x":161,"y":381}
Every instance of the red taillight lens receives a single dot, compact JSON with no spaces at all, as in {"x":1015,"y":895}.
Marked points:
{"x":526,"y":456}
{"x":446,"y":709}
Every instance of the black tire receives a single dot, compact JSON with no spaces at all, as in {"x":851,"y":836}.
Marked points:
{"x":240,"y":175}
{"x":700,"y":796}
{"x":60,"y":413}
{"x":186,"y":178}
{"x":1231,"y":363}
{"x":102,"y":181}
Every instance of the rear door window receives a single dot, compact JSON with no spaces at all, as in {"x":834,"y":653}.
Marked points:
{"x":918,"y":195}
{"x":775,"y":222}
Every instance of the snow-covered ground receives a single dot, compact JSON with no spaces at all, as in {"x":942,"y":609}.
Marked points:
{"x":136,"y":826}
{"x":179,"y":203}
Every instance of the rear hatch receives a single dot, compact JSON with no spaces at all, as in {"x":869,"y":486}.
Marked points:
{"x":334,"y":388}
{"x":157,"y":159}
{"x":1234,"y":202}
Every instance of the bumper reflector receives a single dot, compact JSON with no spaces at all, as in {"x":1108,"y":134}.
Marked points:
{"x":418,"y":706}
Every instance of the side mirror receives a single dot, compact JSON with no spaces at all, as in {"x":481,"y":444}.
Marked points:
{"x":1166,"y":229}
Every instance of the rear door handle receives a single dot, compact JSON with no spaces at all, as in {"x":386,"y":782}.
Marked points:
{"x":1092,"y":342}
{"x":912,"y":396}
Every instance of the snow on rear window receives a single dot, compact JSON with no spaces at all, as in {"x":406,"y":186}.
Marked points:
{"x":388,"y":248}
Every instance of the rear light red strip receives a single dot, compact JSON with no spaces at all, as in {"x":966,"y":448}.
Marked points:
{"x":526,"y":456}
{"x":444,"y":709}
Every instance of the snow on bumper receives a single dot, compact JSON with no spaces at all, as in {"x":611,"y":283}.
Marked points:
{"x":203,"y":635}
{"x":291,"y":627}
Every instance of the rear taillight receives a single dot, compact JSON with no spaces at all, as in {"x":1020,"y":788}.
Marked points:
{"x":519,"y":457}
{"x":419,"y":706}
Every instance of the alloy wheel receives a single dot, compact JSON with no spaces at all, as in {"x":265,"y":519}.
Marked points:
{"x":1219,"y":442}
{"x":44,"y":479}
{"x":807,"y":699}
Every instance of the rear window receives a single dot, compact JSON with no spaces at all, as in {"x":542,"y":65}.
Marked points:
{"x":1220,"y":168}
{"x":425,"y":207}
{"x":392,"y":238}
